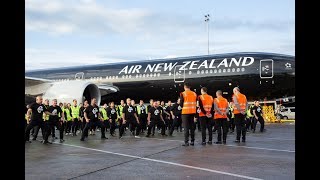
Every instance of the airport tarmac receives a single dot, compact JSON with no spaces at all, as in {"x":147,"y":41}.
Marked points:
{"x":268,"y":155}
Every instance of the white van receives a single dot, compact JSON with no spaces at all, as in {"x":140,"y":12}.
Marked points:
{"x":286,"y":113}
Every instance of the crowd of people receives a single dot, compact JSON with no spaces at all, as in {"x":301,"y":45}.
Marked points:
{"x":188,"y":113}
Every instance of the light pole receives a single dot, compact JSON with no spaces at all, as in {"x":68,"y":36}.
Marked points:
{"x":207,"y":18}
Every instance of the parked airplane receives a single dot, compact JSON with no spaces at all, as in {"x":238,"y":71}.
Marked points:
{"x":258,"y":75}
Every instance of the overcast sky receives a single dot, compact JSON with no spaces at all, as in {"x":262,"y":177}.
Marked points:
{"x":80,"y":32}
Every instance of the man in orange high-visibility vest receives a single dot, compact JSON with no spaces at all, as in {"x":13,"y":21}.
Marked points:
{"x":205,"y":114}
{"x":189,"y":104}
{"x":240,"y":109}
{"x":220,"y":116}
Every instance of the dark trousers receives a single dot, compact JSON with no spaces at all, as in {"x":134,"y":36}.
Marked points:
{"x":36,"y":125}
{"x":49,"y":125}
{"x":240,"y":122}
{"x":188,"y":124}
{"x":36,"y":131}
{"x":134,"y":126}
{"x":122,"y":127}
{"x":68,"y":126}
{"x":159,"y":123}
{"x":198,"y":124}
{"x":91,"y":124}
{"x":106,"y":124}
{"x":206,"y":123}
{"x":231,"y":124}
{"x":169,"y":123}
{"x":222,"y":123}
{"x":60,"y":126}
{"x":249,"y":122}
{"x":74,"y":126}
{"x":112,"y":126}
{"x":143,"y":121}
{"x":175,"y":123}
{"x":83,"y":123}
{"x":261,"y":121}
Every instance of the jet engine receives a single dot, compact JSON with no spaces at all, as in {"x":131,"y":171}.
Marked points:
{"x":67,"y":91}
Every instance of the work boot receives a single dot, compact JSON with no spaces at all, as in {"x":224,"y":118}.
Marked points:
{"x":237,"y":141}
{"x":61,"y":140}
{"x":203,"y":143}
{"x":192,"y":143}
{"x":185,"y":144}
{"x":103,"y":137}
{"x":148,"y":135}
{"x":218,"y":142}
{"x":82,"y":139}
{"x":209,"y":142}
{"x":46,"y":142}
{"x":224,"y":142}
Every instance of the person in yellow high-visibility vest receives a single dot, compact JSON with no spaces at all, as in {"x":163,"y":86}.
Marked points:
{"x":67,"y":111}
{"x":119,"y":111}
{"x":75,"y":115}
{"x":104,"y":115}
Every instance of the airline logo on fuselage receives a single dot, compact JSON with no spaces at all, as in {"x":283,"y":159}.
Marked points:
{"x":188,"y":65}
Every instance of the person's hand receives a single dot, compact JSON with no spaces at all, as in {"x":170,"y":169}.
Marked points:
{"x":138,"y":121}
{"x":173,"y":117}
{"x":124,"y":121}
{"x":148,"y":121}
{"x":87,"y":120}
{"x":228,"y":119}
{"x":110,"y":120}
{"x":195,"y":120}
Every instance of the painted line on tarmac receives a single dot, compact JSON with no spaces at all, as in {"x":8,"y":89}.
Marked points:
{"x":164,"y":162}
{"x":249,"y":147}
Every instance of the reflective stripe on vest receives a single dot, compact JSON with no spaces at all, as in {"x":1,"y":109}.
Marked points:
{"x":75,"y":111}
{"x":207,"y":101}
{"x":104,"y":114}
{"x":189,"y":102}
{"x":222,"y":103}
{"x":242,"y":100}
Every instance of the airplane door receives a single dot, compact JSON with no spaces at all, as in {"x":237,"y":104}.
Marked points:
{"x":179,"y":75}
{"x":266,"y":68}
{"x":79,"y":76}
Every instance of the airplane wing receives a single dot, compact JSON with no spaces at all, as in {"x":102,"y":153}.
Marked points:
{"x":31,"y":81}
